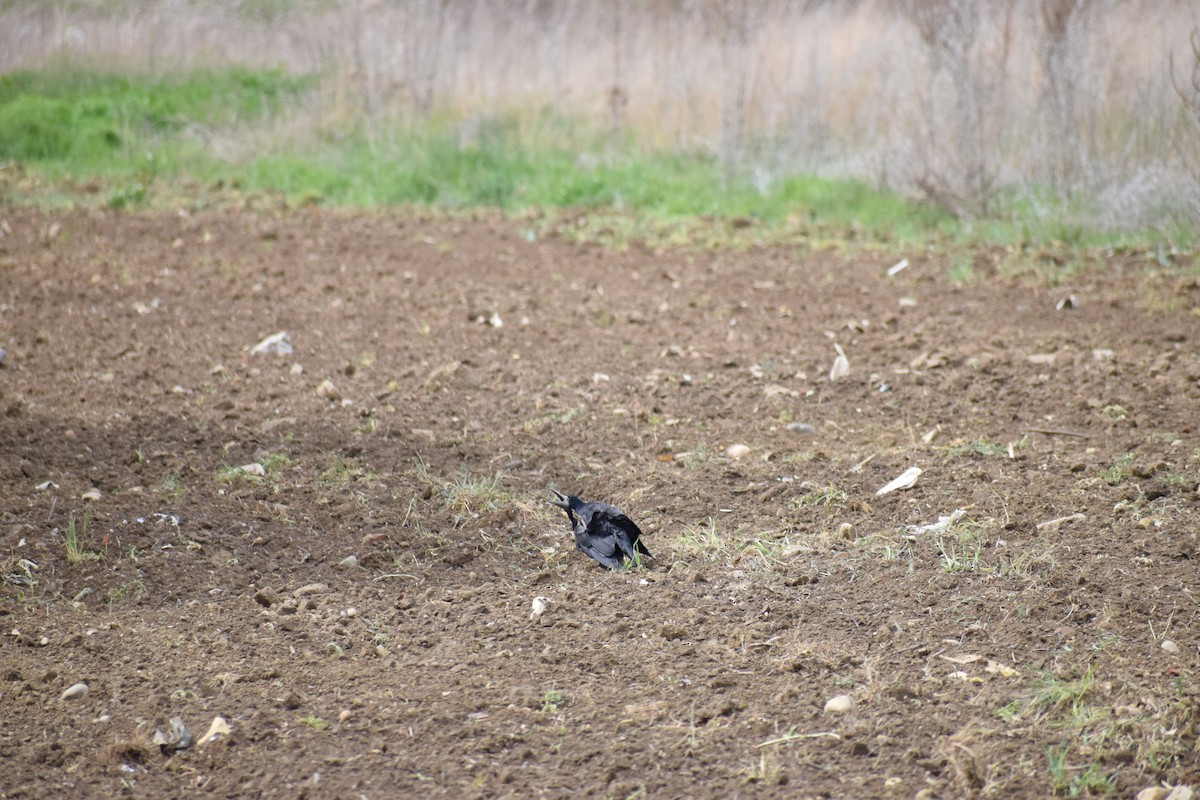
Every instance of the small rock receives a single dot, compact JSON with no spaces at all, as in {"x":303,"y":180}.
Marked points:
{"x":311,"y":588}
{"x":801,"y":427}
{"x":736,"y":451}
{"x":266,"y":597}
{"x":839,"y":704}
{"x":538,"y":607}
{"x":345,"y":715}
{"x":1165,"y":793}
{"x":1170,"y":647}
{"x":91,"y":494}
{"x":327,"y":391}
{"x":41,"y":487}
{"x":74,"y":692}
{"x":297,"y":369}
{"x":348,"y":562}
{"x":1103,"y":354}
{"x":257,"y":470}
{"x":846,"y":532}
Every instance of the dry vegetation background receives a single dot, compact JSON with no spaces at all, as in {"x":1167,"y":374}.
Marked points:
{"x":1045,"y":102}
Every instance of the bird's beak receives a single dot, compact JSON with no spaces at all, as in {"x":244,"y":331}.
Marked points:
{"x":559,"y":500}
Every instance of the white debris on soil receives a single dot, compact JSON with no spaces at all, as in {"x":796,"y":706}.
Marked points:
{"x":219,"y":727}
{"x":74,"y":692}
{"x":841,"y":364}
{"x":941,"y":526}
{"x":905,"y":480}
{"x":278,"y":343}
{"x":736,"y":451}
{"x":1054,"y":524}
{"x":177,"y":737}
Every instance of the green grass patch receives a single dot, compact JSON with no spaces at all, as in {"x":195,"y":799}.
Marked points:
{"x":93,"y":137}
{"x":82,"y":119}
{"x":982,"y":448}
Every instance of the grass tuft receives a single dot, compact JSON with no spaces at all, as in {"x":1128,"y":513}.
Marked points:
{"x":77,"y":541}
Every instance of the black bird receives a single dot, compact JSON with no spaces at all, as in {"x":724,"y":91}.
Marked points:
{"x":602,"y":531}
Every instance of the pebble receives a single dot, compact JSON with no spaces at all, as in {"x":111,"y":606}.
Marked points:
{"x":1169,"y":646}
{"x":736,"y":451}
{"x":1181,"y":792}
{"x":839,"y":704}
{"x":91,"y":494}
{"x":311,"y":588}
{"x":801,"y":427}
{"x":266,"y":597}
{"x":348,"y":562}
{"x":326,"y":390}
{"x":538,"y":607}
{"x":74,"y":692}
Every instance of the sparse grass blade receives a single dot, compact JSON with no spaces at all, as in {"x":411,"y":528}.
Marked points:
{"x":77,"y":540}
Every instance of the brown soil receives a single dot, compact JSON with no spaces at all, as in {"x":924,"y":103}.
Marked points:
{"x":994,"y":658}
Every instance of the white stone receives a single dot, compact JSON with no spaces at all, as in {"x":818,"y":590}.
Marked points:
{"x":839,"y":704}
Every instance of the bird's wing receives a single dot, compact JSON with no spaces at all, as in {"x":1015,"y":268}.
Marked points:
{"x":625,"y":528}
{"x":602,"y":548}
{"x":622,"y":529}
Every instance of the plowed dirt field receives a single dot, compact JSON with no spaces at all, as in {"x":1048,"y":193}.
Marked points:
{"x":337,"y":550}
